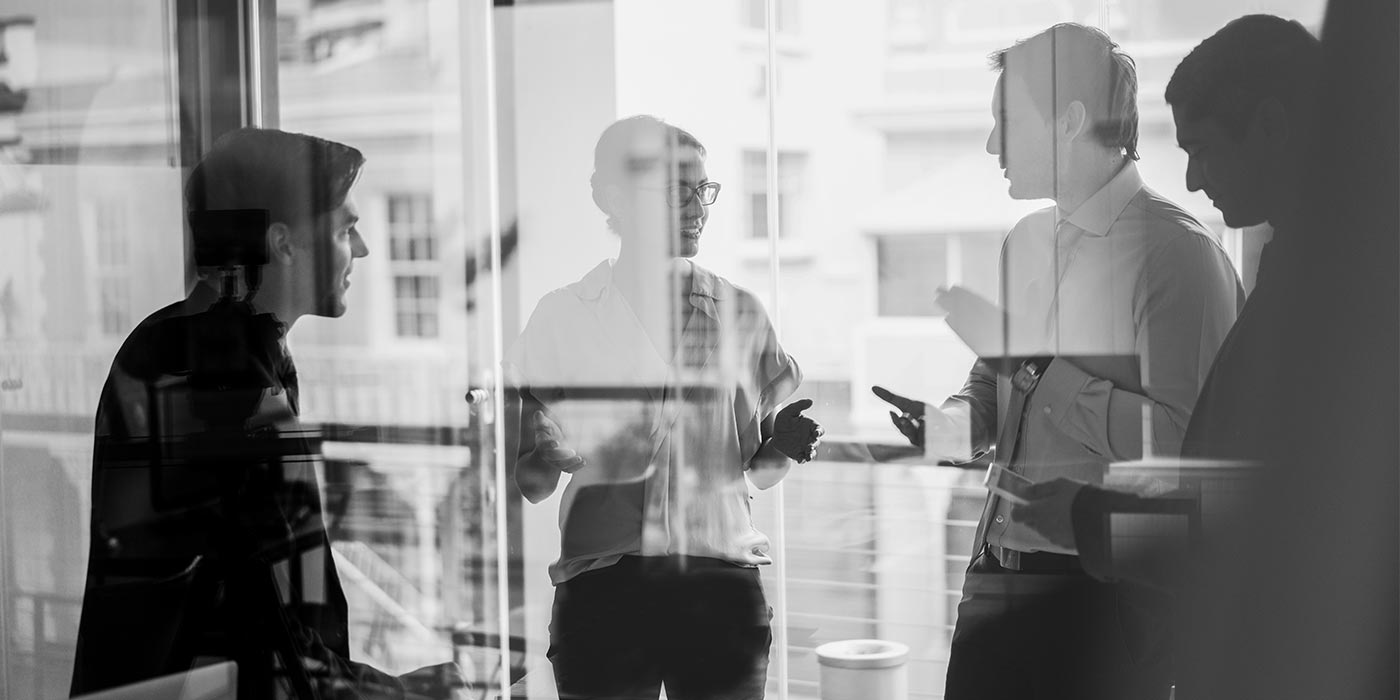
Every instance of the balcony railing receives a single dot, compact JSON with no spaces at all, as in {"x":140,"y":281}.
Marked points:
{"x":342,"y":385}
{"x":872,"y":550}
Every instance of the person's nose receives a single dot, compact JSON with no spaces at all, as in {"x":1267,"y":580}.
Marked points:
{"x":1194,"y":180}
{"x":694,"y":210}
{"x":358,"y":248}
{"x":994,"y":142}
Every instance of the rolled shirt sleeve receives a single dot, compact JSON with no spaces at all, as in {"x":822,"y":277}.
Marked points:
{"x":775,"y":370}
{"x":972,"y":418}
{"x":1140,"y":297}
{"x":1181,"y":313}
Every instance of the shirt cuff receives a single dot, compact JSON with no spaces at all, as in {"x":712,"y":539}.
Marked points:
{"x":954,"y":443}
{"x":1059,"y":388}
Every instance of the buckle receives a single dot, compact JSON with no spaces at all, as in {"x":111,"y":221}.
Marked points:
{"x":1007,"y":558}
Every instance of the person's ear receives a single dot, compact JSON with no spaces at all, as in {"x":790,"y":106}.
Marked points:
{"x":280,"y":248}
{"x":1074,"y":122}
{"x":1271,"y":122}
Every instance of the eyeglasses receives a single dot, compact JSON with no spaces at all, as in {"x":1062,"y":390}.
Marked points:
{"x":680,"y":195}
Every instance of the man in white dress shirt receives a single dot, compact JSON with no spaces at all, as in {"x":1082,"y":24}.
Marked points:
{"x":1113,"y":304}
{"x":656,"y":385}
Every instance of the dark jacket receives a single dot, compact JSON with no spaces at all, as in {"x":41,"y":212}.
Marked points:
{"x":207,"y":538}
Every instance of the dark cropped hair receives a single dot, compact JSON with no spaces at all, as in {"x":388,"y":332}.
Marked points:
{"x":294,"y":177}
{"x":1071,"y":62}
{"x":1250,"y":60}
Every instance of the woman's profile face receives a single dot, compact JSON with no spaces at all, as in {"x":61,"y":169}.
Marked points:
{"x":685,"y":198}
{"x":667,"y":214}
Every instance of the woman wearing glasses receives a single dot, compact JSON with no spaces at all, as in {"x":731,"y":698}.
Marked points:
{"x":656,"y":384}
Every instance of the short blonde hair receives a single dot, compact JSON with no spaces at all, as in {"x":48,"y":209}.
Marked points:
{"x":1071,"y":62}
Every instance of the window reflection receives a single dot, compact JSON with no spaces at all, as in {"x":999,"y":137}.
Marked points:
{"x":883,"y":193}
{"x":411,"y":465}
{"x":88,"y":193}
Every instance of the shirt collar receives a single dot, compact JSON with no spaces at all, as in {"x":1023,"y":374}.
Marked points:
{"x":703,"y":283}
{"x":597,"y":281}
{"x":1097,"y":214}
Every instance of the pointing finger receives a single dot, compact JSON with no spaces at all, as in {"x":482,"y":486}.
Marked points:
{"x":905,"y":405}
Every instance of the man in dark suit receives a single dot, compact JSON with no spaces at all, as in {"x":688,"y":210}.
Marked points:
{"x":208,"y":542}
{"x":1296,"y":596}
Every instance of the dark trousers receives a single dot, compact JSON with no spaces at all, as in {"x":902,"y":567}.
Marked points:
{"x":700,"y":626}
{"x":1050,"y":632}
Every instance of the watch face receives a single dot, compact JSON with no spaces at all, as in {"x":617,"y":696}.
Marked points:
{"x":1026,"y":378}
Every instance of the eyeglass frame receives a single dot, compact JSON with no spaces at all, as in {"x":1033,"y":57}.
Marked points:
{"x":690,"y":193}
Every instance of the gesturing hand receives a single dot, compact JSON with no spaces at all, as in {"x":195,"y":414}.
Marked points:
{"x":549,"y":445}
{"x":796,"y":435}
{"x":910,"y":418}
{"x":977,"y":321}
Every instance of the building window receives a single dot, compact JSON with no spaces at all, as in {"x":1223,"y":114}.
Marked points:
{"x":411,"y":236}
{"x":792,"y":175}
{"x":109,"y":225}
{"x":911,"y":268}
{"x":290,"y":48}
{"x":115,"y":305}
{"x":413,"y":259}
{"x":113,"y":238}
{"x":756,"y":15}
{"x":921,"y":26}
{"x":415,"y":306}
{"x":911,"y":25}
{"x":758,"y":86}
{"x":976,"y":22}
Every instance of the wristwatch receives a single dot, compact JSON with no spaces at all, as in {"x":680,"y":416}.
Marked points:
{"x":1030,"y":372}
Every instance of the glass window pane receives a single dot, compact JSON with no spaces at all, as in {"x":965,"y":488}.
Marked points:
{"x":91,"y":241}
{"x":526,"y":277}
{"x":901,"y":197}
{"x":426,"y":532}
{"x":911,"y":271}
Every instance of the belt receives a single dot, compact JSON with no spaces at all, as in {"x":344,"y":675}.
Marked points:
{"x":1022,"y":382}
{"x":1035,"y":562}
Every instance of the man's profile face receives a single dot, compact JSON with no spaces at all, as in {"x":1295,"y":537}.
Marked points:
{"x":1022,"y":139}
{"x":335,"y":243}
{"x":1222,"y":166}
